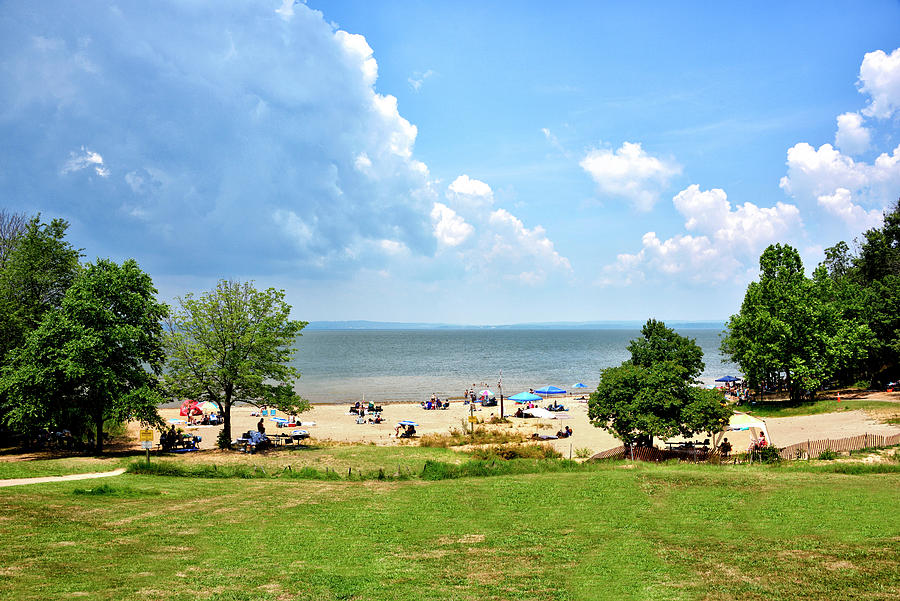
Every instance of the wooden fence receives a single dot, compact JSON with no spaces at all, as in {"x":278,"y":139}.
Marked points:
{"x":811,"y":448}
{"x":802,"y":450}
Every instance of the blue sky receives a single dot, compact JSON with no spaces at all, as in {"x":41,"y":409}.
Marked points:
{"x":460,"y":162}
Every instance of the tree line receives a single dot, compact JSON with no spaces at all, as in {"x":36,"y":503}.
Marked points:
{"x":87,"y":345}
{"x":794,"y":332}
{"x":839,"y":326}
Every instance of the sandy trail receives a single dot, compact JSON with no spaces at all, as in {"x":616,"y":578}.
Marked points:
{"x":43,"y":479}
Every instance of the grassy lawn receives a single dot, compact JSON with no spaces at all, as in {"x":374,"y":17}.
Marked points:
{"x":33,"y":468}
{"x":611,"y":532}
{"x":789,"y":409}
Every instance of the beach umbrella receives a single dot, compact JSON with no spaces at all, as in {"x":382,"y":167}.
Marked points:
{"x":407,"y":422}
{"x":580,"y":385}
{"x":727,"y":379}
{"x":524,"y":397}
{"x":550,"y":390}
{"x":175,"y":420}
{"x":189,"y":407}
{"x":207,"y":406}
{"x":485,"y":394}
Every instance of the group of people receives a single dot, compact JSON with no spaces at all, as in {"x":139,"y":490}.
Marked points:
{"x":360,"y":411}
{"x":435,"y":403}
{"x":205,"y":419}
{"x":171,"y":439}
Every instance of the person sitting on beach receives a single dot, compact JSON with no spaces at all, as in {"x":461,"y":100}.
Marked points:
{"x":261,"y":427}
{"x":762,"y":440}
{"x":519,"y":413}
{"x":568,"y":431}
{"x":561,"y":433}
{"x":725,"y":448}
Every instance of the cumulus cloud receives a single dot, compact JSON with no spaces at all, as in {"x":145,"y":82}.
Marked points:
{"x":85,"y":159}
{"x":746,"y":228}
{"x":630,"y":172}
{"x":841,"y":205}
{"x":449,"y":228}
{"x":879,"y":77}
{"x":494,"y":245}
{"x":727,"y":239}
{"x":243,"y":139}
{"x":469,"y":195}
{"x":816,"y":173}
{"x":852,"y":136}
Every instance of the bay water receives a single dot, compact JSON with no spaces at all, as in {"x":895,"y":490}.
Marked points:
{"x":411,"y":365}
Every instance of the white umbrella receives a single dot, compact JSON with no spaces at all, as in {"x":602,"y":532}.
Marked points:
{"x":541,"y":413}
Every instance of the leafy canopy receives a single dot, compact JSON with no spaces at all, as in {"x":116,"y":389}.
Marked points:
{"x":234,"y":343}
{"x":652,"y":394}
{"x":93,"y":359}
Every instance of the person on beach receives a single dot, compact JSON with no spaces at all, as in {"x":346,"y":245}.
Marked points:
{"x":725,"y":448}
{"x":261,"y":427}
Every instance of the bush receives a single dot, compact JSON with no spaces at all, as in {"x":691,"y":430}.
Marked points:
{"x":767,"y":454}
{"x":584,"y":453}
{"x":517,"y":451}
{"x":456,"y":438}
{"x":827,"y":455}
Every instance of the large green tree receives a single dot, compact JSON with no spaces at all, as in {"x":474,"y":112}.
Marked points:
{"x":654,"y":394}
{"x":796,"y":329}
{"x":234,"y":344}
{"x":38,"y":266}
{"x":93,"y":359}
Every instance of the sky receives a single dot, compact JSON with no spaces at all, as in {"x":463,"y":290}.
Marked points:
{"x":454,"y":162}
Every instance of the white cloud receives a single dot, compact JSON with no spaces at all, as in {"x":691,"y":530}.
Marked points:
{"x":630,"y":172}
{"x":879,"y":77}
{"x":224,"y":125}
{"x":856,"y":217}
{"x":852,"y":137}
{"x":727,"y":239}
{"x":816,"y":173}
{"x":524,"y":255}
{"x":417,"y":79}
{"x":746,"y":229}
{"x":87,"y":158}
{"x":469,"y":195}
{"x":449,"y":228}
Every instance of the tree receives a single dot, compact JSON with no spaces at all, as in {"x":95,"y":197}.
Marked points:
{"x":93,"y":359}
{"x":653,"y":393}
{"x":12,"y":226}
{"x":234,"y":343}
{"x":794,"y":327}
{"x":39,"y":268}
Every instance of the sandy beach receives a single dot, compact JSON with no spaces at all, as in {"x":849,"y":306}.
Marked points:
{"x":335,"y":423}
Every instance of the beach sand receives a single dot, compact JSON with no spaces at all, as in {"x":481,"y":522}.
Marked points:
{"x":335,"y":423}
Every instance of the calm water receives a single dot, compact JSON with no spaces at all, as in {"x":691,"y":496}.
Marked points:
{"x":410,"y":365}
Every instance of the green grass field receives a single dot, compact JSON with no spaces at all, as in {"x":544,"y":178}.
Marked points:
{"x":604,"y":532}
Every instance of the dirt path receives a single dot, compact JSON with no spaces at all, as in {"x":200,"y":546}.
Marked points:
{"x":40,"y":480}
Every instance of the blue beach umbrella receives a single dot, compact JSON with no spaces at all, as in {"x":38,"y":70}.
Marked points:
{"x":727,"y":379}
{"x":580,"y":385}
{"x":524,"y":397}
{"x":407,"y":422}
{"x":550,"y":390}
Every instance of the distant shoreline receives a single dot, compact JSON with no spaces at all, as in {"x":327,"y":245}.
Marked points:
{"x":562,"y":325}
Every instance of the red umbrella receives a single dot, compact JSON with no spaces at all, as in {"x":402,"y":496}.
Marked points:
{"x":189,"y":407}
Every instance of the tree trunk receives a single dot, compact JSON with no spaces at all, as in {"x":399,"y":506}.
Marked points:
{"x":98,"y":421}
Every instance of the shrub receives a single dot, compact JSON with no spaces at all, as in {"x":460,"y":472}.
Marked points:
{"x":827,"y":455}
{"x":584,"y":453}
{"x":767,"y":454}
{"x":517,"y":451}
